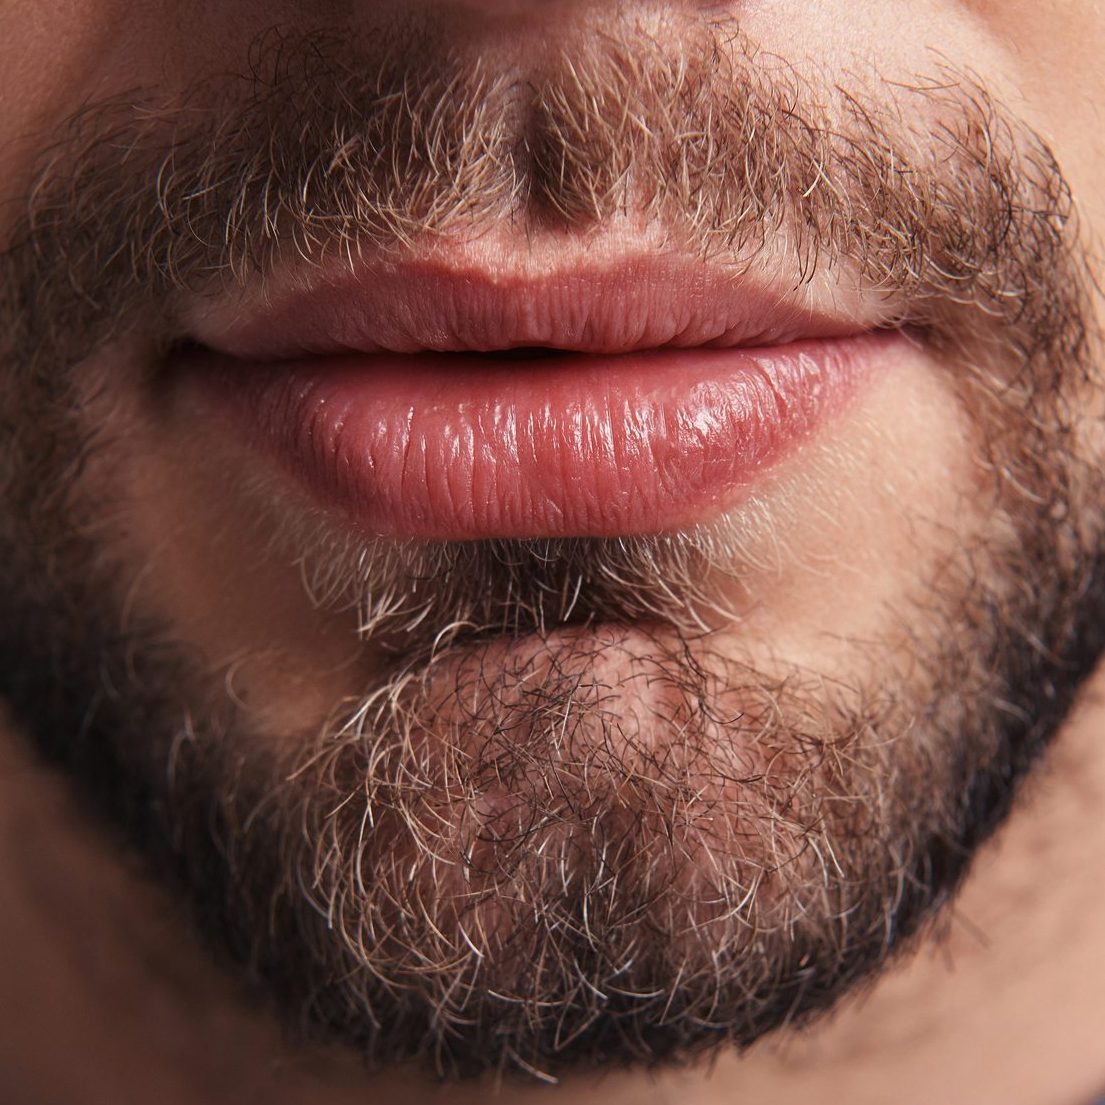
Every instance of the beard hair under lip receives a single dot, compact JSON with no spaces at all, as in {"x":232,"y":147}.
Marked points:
{"x":522,"y":768}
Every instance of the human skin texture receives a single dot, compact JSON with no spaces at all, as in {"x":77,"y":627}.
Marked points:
{"x":390,"y":700}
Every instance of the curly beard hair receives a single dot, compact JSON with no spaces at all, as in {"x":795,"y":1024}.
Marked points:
{"x":566,"y":825}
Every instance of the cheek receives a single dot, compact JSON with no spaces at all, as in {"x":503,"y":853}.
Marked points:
{"x":195,"y":560}
{"x":1052,"y":52}
{"x":57,"y":55}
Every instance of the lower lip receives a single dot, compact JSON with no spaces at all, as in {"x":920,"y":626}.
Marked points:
{"x":458,"y":447}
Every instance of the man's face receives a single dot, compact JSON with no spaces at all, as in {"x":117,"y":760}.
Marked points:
{"x":558,"y":528}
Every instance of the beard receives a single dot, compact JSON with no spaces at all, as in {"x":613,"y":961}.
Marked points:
{"x":580,"y":813}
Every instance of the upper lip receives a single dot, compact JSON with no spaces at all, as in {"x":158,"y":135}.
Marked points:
{"x":633,"y":301}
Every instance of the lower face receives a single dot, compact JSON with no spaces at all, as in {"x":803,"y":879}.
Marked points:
{"x":489,"y":783}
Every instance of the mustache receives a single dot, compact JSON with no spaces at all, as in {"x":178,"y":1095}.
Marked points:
{"x":329,"y":147}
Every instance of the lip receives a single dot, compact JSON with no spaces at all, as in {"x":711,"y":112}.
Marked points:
{"x":632,"y":303}
{"x":409,"y":397}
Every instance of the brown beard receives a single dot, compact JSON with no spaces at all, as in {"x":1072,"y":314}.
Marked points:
{"x":563,"y":827}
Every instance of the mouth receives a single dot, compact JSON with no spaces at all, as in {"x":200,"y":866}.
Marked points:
{"x":435,"y":401}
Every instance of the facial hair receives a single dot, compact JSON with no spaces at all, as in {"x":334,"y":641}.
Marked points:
{"x":564,"y":826}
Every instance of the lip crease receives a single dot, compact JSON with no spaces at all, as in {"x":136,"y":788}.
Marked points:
{"x":411,"y":398}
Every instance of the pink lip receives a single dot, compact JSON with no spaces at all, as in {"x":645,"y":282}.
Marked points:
{"x":668,"y":416}
{"x":638,"y":303}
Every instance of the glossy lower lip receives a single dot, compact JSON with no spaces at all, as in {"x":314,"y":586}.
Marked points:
{"x":445,"y":446}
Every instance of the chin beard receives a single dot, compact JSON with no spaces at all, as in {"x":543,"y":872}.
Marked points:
{"x":580,"y":846}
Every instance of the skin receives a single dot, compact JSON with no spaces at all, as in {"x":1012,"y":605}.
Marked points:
{"x":109,"y":998}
